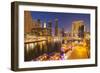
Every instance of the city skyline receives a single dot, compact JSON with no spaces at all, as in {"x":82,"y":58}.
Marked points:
{"x":64,"y":19}
{"x":53,"y":42}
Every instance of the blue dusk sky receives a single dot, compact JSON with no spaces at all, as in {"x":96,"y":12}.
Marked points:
{"x":64,"y":19}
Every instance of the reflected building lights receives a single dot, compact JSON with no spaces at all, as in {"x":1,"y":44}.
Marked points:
{"x":42,"y":44}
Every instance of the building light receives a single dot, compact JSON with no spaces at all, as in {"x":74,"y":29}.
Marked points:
{"x":44,"y":25}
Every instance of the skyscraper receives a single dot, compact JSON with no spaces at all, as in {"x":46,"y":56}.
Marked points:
{"x":50,"y":27}
{"x":28,"y":22}
{"x":44,"y":25}
{"x":63,"y":32}
{"x":38,"y":22}
{"x":56,"y":27}
{"x":78,"y":29}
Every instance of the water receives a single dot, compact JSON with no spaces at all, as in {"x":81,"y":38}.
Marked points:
{"x":35,"y":49}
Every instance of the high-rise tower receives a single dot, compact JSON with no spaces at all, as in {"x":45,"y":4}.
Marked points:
{"x":78,"y":29}
{"x":38,"y":23}
{"x":28,"y":22}
{"x":56,"y":27}
{"x":50,"y":27}
{"x":44,"y":25}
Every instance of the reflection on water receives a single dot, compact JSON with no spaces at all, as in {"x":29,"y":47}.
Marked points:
{"x":56,"y":49}
{"x":35,"y":49}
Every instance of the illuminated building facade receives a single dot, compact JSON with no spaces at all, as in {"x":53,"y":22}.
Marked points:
{"x":78,"y":29}
{"x":56,"y":27}
{"x":50,"y":27}
{"x":39,"y":30}
{"x":28,"y":22}
{"x":35,"y":26}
